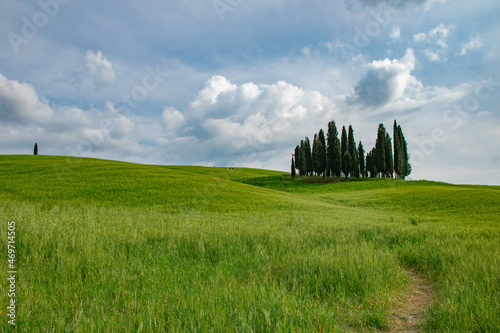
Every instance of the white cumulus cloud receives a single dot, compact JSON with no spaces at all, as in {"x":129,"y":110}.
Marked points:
{"x":99,"y":69}
{"x":395,"y":33}
{"x":473,"y":44}
{"x":172,"y":119}
{"x":436,"y":40}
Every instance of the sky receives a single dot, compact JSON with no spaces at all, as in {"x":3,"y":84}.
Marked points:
{"x":240,"y":82}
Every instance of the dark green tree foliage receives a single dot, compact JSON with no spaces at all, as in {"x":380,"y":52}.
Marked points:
{"x":343,"y":144}
{"x":315,"y":154}
{"x":327,"y":155}
{"x":389,"y":163}
{"x":351,"y":146}
{"x":371,"y":165}
{"x":380,"y":159}
{"x":402,"y":166}
{"x":321,"y":152}
{"x":346,"y":164}
{"x":297,"y":158}
{"x":405,"y":160}
{"x":302,"y":166}
{"x":343,"y":141}
{"x":35,"y":149}
{"x":333,"y":150}
{"x":361,"y":159}
{"x":293,"y":168}
{"x":308,"y":156}
{"x":397,"y":150}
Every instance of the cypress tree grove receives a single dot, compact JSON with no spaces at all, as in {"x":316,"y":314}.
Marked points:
{"x":361,"y":159}
{"x":330,"y":156}
{"x":333,"y":150}
{"x":380,"y":160}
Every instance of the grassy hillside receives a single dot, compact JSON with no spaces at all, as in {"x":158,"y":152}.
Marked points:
{"x":109,"y":245}
{"x":238,"y":174}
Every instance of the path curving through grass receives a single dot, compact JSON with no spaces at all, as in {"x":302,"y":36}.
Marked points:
{"x":410,"y":313}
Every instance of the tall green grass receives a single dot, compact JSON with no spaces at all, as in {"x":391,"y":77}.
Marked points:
{"x":110,"y":246}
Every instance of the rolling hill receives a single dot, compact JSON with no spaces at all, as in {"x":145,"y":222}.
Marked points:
{"x":105,"y":245}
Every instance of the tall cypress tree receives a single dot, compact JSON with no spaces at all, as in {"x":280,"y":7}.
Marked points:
{"x":372,"y":166}
{"x":297,"y":158}
{"x":333,"y":150}
{"x":308,"y":156}
{"x":397,"y":150}
{"x":369,"y":164}
{"x":361,"y":159}
{"x":321,"y":152}
{"x":302,"y":166}
{"x":346,"y":164}
{"x":389,"y":162}
{"x":343,"y":144}
{"x":315,"y":154}
{"x":405,"y":166}
{"x":380,"y":159}
{"x":35,"y":149}
{"x":293,"y":168}
{"x":351,"y":146}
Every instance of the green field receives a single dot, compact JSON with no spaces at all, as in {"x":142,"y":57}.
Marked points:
{"x":113,"y":246}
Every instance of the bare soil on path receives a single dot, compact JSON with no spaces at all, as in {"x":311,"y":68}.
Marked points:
{"x":410,"y":313}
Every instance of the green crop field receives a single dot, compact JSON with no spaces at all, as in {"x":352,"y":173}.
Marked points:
{"x":121,"y":247}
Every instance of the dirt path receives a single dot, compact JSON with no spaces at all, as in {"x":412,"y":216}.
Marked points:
{"x":408,"y":316}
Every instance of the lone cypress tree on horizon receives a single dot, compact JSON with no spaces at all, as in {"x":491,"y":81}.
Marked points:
{"x":35,"y":149}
